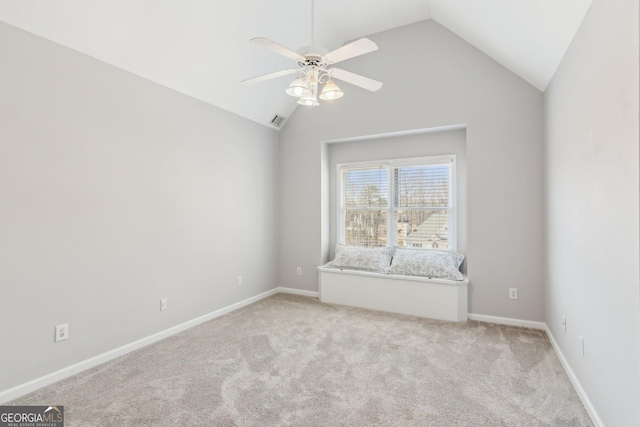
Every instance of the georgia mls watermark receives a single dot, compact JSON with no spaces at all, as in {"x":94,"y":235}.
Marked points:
{"x":31,"y":416}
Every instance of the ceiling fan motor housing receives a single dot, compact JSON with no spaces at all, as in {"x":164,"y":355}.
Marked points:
{"x":312,"y":51}
{"x":313,"y":61}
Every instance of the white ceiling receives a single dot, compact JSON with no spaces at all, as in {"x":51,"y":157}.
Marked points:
{"x":201,"y":47}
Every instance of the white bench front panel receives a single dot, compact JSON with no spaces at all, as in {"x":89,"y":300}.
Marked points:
{"x":417,"y":296}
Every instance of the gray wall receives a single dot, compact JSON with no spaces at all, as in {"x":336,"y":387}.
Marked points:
{"x":398,"y":147}
{"x":591,"y":111}
{"x":432,"y":78}
{"x":114,"y":193}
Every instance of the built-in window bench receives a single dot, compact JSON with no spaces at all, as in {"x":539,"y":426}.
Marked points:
{"x":418,"y":296}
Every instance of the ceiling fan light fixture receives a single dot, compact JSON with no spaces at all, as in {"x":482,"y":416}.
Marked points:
{"x":309,"y":101}
{"x":315,"y":67}
{"x":298,"y":88}
{"x":331,"y":91}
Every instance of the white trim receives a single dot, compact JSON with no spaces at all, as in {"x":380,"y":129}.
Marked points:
{"x":398,"y":133}
{"x":595,"y":418}
{"x":60,"y":374}
{"x":293,"y":291}
{"x":507,"y":321}
{"x":442,"y":159}
{"x":28,"y":387}
{"x":586,"y":402}
{"x":464,"y":281}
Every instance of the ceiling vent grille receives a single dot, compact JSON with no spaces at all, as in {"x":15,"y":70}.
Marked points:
{"x":277,"y":121}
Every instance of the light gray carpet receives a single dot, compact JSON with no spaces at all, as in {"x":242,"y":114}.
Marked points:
{"x":290,"y":360}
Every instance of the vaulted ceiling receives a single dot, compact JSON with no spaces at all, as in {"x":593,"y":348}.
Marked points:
{"x":201,"y":47}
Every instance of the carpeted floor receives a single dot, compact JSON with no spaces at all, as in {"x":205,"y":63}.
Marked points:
{"x":290,"y":360}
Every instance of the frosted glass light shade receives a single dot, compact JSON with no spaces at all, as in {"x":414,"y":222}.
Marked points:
{"x":331,"y":91}
{"x":298,"y":88}
{"x":309,"y":101}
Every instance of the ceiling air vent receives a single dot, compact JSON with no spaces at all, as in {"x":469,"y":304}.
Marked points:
{"x":277,"y":121}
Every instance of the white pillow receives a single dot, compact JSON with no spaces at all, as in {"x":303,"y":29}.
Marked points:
{"x":427,"y":263}
{"x":356,"y":258}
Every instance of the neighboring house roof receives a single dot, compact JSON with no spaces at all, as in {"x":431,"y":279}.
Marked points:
{"x":432,"y":229}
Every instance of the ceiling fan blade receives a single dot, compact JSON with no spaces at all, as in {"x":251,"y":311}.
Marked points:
{"x":279,"y":49}
{"x":270,"y":76}
{"x":355,"y":79}
{"x":357,"y":48}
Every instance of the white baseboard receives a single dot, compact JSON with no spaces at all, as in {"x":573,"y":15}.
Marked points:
{"x":595,"y":418}
{"x":37,"y":383}
{"x":507,"y":321}
{"x":293,"y":291}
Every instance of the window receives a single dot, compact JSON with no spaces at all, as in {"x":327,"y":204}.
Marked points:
{"x":406,"y":203}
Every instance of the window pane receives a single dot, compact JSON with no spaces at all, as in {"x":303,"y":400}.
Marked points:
{"x":366,"y":228}
{"x":417,"y":197}
{"x":422,"y":186}
{"x":423,"y":229}
{"x":365,"y":187}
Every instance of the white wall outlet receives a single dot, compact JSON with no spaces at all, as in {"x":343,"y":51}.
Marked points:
{"x":239,"y":280}
{"x":564,"y":323}
{"x":513,"y":293}
{"x":62,"y":332}
{"x":164,"y":304}
{"x":581,"y":345}
{"x":299,"y":271}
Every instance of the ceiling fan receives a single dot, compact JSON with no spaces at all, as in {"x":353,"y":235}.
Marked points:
{"x":315,"y":66}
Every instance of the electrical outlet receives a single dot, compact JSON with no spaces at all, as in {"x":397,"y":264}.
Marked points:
{"x":581,"y":345}
{"x":299,"y":271}
{"x":62,"y":332}
{"x":163,"y":304}
{"x":239,"y":280}
{"x":564,"y":323}
{"x":513,"y":293}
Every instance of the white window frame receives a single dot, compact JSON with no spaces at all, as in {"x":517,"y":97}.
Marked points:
{"x":392,"y":232}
